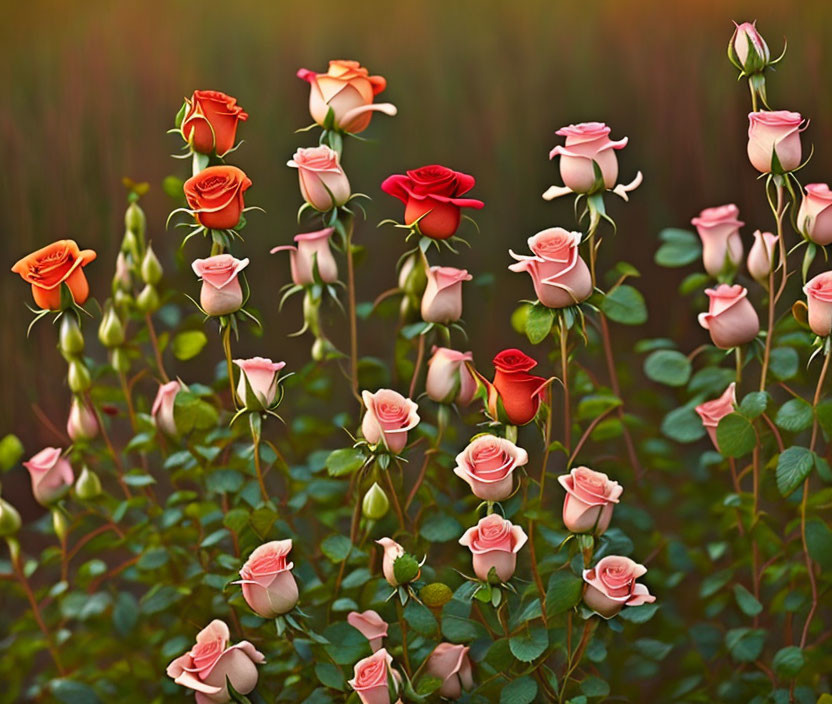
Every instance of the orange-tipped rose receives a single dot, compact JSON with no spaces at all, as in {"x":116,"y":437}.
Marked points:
{"x":48,"y":268}
{"x":210,"y":123}
{"x":215,"y":196}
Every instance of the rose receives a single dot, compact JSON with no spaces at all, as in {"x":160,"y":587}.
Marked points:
{"x":711,"y":412}
{"x":749,"y":48}
{"x":221,"y":292}
{"x":488,"y":464}
{"x":494,"y":543}
{"x":514,"y":396}
{"x":814,"y":218}
{"x":731,"y":319}
{"x":206,"y":666}
{"x":431,"y":195}
{"x":561,"y":278}
{"x":371,"y":678}
{"x":51,"y":475}
{"x":388,"y":417}
{"x":58,"y":263}
{"x":719,"y":230}
{"x":82,"y":423}
{"x":347,"y":90}
{"x":268,"y":585}
{"x":323,"y":183}
{"x":611,"y":585}
{"x":587,"y":146}
{"x":774,"y":140}
{"x":163,"y":405}
{"x":442,"y":299}
{"x":590,"y":499}
{"x":210,"y":123}
{"x":215,"y":196}
{"x":262,"y":376}
{"x":450,"y":663}
{"x":448,"y":379}
{"x":392,"y":551}
{"x":760,"y":256}
{"x":819,"y":299}
{"x":372,"y":626}
{"x":312,"y":250}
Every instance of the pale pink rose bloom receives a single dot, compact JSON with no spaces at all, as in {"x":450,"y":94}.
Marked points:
{"x":392,"y":551}
{"x":268,"y":585}
{"x":488,"y":465}
{"x":449,"y":380}
{"x":442,"y":299}
{"x":747,"y":39}
{"x":819,"y":299}
{"x":312,"y":249}
{"x":323,"y":183}
{"x":586,"y":143}
{"x":451,"y":664}
{"x":761,"y":256}
{"x":590,"y":499}
{"x":560,"y":277}
{"x":262,"y":375}
{"x":372,"y":626}
{"x":51,"y":475}
{"x":221,"y":292}
{"x":731,"y":319}
{"x":815,"y":215}
{"x":494,"y":542}
{"x":370,"y":678}
{"x":206,"y":666}
{"x":611,"y":585}
{"x":711,"y":412}
{"x":163,"y":404}
{"x":388,"y":418}
{"x":82,"y":423}
{"x":774,"y":131}
{"x":719,"y":230}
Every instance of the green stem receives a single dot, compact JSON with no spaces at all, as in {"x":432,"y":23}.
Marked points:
{"x":778,"y":211}
{"x":352,"y":314}
{"x":226,"y":346}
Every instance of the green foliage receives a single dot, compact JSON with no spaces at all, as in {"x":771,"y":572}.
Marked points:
{"x":679,"y":248}
{"x":668,"y":367}
{"x":625,"y":305}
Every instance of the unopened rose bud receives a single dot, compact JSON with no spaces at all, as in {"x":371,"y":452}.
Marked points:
{"x":120,"y":360}
{"x":82,"y":423}
{"x":60,"y":524}
{"x":122,"y":279}
{"x":761,"y":255}
{"x":70,"y":339}
{"x":9,"y":519}
{"x":134,"y":219}
{"x":748,"y":48}
{"x":130,"y":244}
{"x":122,"y":299}
{"x":412,"y":277}
{"x":151,"y":267}
{"x":78,"y":376}
{"x":311,"y":307}
{"x":148,"y":300}
{"x":111,"y":331}
{"x":375,"y":504}
{"x":88,"y":485}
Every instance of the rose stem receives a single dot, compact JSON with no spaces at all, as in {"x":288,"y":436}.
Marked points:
{"x":352,"y":315}
{"x":547,"y":441}
{"x":255,"y":437}
{"x":106,"y":436}
{"x":403,"y":623}
{"x":575,"y":658}
{"x":772,"y":297}
{"x":226,"y":346}
{"x":420,"y":355}
{"x":396,"y":503}
{"x":154,"y":341}
{"x":567,"y":420}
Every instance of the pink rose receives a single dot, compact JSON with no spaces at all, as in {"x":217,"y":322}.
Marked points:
{"x":611,"y":585}
{"x":711,"y":412}
{"x":488,"y":464}
{"x":262,"y":375}
{"x":560,"y":277}
{"x":761,"y":256}
{"x":392,"y":551}
{"x":590,"y":499}
{"x":221,"y":292}
{"x":323,"y":183}
{"x":719,"y":230}
{"x":163,"y":405}
{"x":51,"y":475}
{"x":749,"y":47}
{"x":819,"y":299}
{"x":206,"y":666}
{"x":587,"y":145}
{"x":451,"y":664}
{"x":442,"y":299}
{"x":449,"y":380}
{"x":731,"y":319}
{"x":267,"y":582}
{"x":371,"y":678}
{"x":372,"y":626}
{"x":82,"y":423}
{"x":814,"y":218}
{"x":312,"y":250}
{"x":494,"y":542}
{"x":388,"y":417}
{"x":773,"y":132}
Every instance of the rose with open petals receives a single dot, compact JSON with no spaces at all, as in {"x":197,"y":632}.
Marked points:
{"x":814,"y":218}
{"x":323,"y":183}
{"x":392,"y":551}
{"x":590,"y":499}
{"x":215,"y":196}
{"x":587,"y":147}
{"x":719,"y":230}
{"x":262,"y":375}
{"x":731,"y":319}
{"x":451,"y":664}
{"x":488,"y":465}
{"x":494,"y":543}
{"x":711,"y":412}
{"x":515,"y":395}
{"x":210,"y":122}
{"x":311,"y":251}
{"x":774,"y":140}
{"x":761,"y":256}
{"x":388,"y":418}
{"x":58,"y":263}
{"x":448,"y":379}
{"x":442,"y":299}
{"x":371,"y":678}
{"x":611,"y":585}
{"x":268,"y":585}
{"x":51,"y":475}
{"x":819,"y":299}
{"x":163,"y":405}
{"x":221,"y":292}
{"x":372,"y":626}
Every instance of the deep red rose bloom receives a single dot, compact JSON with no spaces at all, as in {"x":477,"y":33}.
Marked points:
{"x":210,"y":123}
{"x":519,"y":392}
{"x":215,"y":195}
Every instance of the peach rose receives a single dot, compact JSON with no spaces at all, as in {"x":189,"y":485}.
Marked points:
{"x":210,"y":123}
{"x":719,"y":230}
{"x":221,"y":292}
{"x":731,"y":319}
{"x":761,"y":256}
{"x":163,"y":405}
{"x":262,"y":375}
{"x":371,"y":677}
{"x":268,"y":585}
{"x":392,"y":551}
{"x":711,"y":412}
{"x":749,"y":48}
{"x":814,"y":218}
{"x":372,"y":626}
{"x":58,"y":263}
{"x":51,"y":475}
{"x":494,"y":543}
{"x":442,"y":299}
{"x":206,"y":666}
{"x":323,"y":183}
{"x":449,"y":380}
{"x":82,"y":423}
{"x":312,"y":250}
{"x":488,"y":465}
{"x":388,"y":418}
{"x":587,"y":145}
{"x":819,"y":299}
{"x":775,"y":132}
{"x":451,"y":664}
{"x":611,"y":585}
{"x":215,"y":196}
{"x":590,"y":499}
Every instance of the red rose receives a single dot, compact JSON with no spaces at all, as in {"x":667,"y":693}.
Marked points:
{"x":433,"y":192}
{"x":514,"y":389}
{"x":215,"y":195}
{"x":210,"y":124}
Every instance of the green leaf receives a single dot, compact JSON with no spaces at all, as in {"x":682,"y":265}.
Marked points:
{"x":329,"y":675}
{"x":679,"y":248}
{"x":420,"y":618}
{"x":784,"y":362}
{"x":788,"y":662}
{"x":11,"y":450}
{"x":563,"y":592}
{"x":745,"y":644}
{"x":683,"y":425}
{"x":793,"y":466}
{"x":625,"y":305}
{"x":428,"y":685}
{"x":191,"y":412}
{"x":71,"y":692}
{"x":530,"y":644}
{"x":440,"y":528}
{"x":262,"y":520}
{"x":460,"y":630}
{"x":594,"y":405}
{"x":336,"y":547}
{"x":188,"y":344}
{"x":344,"y":461}
{"x":594,"y":686}
{"x":125,"y":613}
{"x":754,"y":404}
{"x":794,"y":415}
{"x":159,"y":599}
{"x":819,"y":542}
{"x":746,"y":601}
{"x":520,"y":691}
{"x":539,"y":323}
{"x":735,"y":435}
{"x":694,"y":282}
{"x":639,"y":614}
{"x":668,"y":367}
{"x":824,"y":414}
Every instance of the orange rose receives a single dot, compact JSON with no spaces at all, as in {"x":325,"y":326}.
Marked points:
{"x":210,"y":123}
{"x":48,"y":268}
{"x":215,"y":195}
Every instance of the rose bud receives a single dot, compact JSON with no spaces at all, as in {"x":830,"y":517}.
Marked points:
{"x":814,"y":219}
{"x":587,"y":145}
{"x":323,"y":183}
{"x":560,"y":277}
{"x":51,"y":475}
{"x":392,"y":552}
{"x":347,"y":89}
{"x":761,"y":256}
{"x":372,"y":626}
{"x":494,"y":543}
{"x":590,"y":499}
{"x":151,"y":268}
{"x":448,"y":379}
{"x":111,"y":331}
{"x":211,"y":661}
{"x":611,"y":585}
{"x":58,"y":263}
{"x":122,"y":280}
{"x":515,"y":395}
{"x":163,"y":404}
{"x":88,"y":485}
{"x":442,"y":299}
{"x":210,"y":123}
{"x":148,"y":300}
{"x":819,"y":299}
{"x":221,"y":292}
{"x":312,"y":250}
{"x":748,"y":48}
{"x":70,"y":337}
{"x":375,"y":504}
{"x":82,"y":423}
{"x":215,"y":196}
{"x":262,"y":375}
{"x":731,"y":319}
{"x":135,"y":221}
{"x":775,"y":133}
{"x":719,"y":230}
{"x":372,"y":676}
{"x":268,"y":585}
{"x":488,"y":464}
{"x":388,"y":417}
{"x":711,"y":412}
{"x":432,"y":198}
{"x":451,"y":664}
{"x":78,"y":376}
{"x":9,"y":519}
